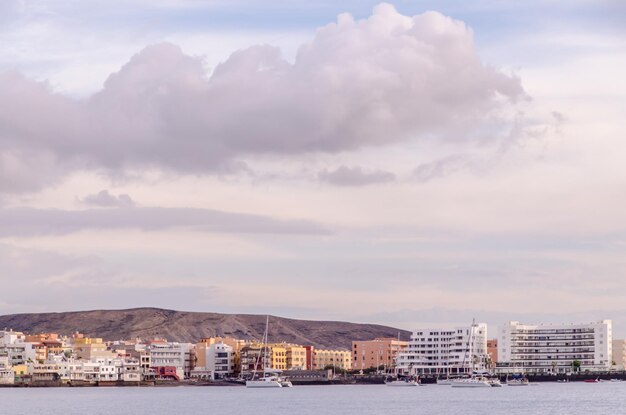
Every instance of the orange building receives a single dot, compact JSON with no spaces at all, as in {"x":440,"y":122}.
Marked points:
{"x":492,"y":351}
{"x":377,"y":353}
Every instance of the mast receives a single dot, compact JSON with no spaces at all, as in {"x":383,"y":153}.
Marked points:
{"x":469,"y":339}
{"x":267,"y":324}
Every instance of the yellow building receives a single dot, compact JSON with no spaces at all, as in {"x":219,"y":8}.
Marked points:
{"x":341,"y":359}
{"x":88,"y":348}
{"x":20,"y":372}
{"x":296,"y":357}
{"x":278,"y":356}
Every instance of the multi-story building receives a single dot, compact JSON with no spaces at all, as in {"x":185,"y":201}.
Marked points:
{"x":555,"y":348}
{"x":278,"y":356}
{"x":11,"y":337}
{"x":378,"y":353}
{"x":340,"y":359}
{"x":445,"y":351}
{"x":90,"y":348}
{"x":309,"y":357}
{"x":164,"y":354}
{"x":619,"y":353}
{"x":296,"y":357}
{"x":15,"y":353}
{"x":204,"y":344}
{"x":220,"y":361}
{"x":7,"y":376}
{"x":492,"y":352}
{"x":253,"y":358}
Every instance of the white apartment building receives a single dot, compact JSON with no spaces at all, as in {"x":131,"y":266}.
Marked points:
{"x":554,"y":348}
{"x":169,"y":354}
{"x":11,"y":337}
{"x":443,"y":352}
{"x":6,"y":373}
{"x":220,"y":360}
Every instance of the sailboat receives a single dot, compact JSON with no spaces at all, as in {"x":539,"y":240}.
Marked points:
{"x":477,"y":379}
{"x":270,"y":379}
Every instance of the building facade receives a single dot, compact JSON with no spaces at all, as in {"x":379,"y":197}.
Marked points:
{"x":555,"y":348}
{"x":619,"y":353}
{"x":378,"y":354}
{"x":340,"y":359}
{"x":444,"y":351}
{"x":492,"y":352}
{"x":220,"y":360}
{"x":168,"y":355}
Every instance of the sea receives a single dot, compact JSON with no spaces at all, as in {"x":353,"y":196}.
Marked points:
{"x":545,"y":398}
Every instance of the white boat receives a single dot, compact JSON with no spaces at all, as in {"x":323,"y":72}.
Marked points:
{"x":265,"y":382}
{"x":269,"y":379}
{"x":518,"y":382}
{"x":402,"y":382}
{"x":495,"y":383}
{"x":473,"y":382}
{"x":445,"y":382}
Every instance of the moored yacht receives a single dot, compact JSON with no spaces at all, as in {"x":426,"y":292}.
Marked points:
{"x":402,"y":382}
{"x":270,"y":379}
{"x":473,"y":382}
{"x":265,"y":382}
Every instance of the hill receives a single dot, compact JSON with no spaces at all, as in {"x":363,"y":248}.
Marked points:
{"x":183,"y":326}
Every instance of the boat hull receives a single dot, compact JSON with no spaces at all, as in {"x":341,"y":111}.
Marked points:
{"x":263,"y":384}
{"x":401,"y":383}
{"x":471,"y":384}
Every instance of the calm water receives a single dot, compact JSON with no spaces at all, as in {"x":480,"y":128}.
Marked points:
{"x":571,"y":399}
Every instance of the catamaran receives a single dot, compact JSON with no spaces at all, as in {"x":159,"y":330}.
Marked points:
{"x":270,"y":378}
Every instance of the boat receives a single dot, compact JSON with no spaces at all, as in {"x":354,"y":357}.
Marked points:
{"x":264,"y":382}
{"x":407,"y":381}
{"x":596,"y":380}
{"x":445,"y":382}
{"x":270,"y":378}
{"x":518,"y":381}
{"x":479,"y":378}
{"x":495,"y":383}
{"x":473,"y":382}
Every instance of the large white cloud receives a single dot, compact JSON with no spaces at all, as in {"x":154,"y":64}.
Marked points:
{"x":371,"y":82}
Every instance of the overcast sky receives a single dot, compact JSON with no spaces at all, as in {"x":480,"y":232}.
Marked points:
{"x":408,"y":163}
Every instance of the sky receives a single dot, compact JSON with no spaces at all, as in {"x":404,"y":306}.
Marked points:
{"x":410,"y":163}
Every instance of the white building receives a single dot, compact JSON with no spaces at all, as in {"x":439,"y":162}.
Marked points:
{"x":169,"y":354}
{"x":444,"y":351}
{"x":11,"y":337}
{"x":6,"y":373}
{"x":554,"y":348}
{"x":220,"y":360}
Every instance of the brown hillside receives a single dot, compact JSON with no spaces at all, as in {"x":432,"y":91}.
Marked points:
{"x":184,"y":326}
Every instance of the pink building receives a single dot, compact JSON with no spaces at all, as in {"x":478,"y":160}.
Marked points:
{"x":380,"y":352}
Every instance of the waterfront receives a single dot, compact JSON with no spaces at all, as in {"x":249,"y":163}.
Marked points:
{"x":547,"y":398}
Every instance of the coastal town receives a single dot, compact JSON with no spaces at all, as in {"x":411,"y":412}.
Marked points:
{"x":558,"y":351}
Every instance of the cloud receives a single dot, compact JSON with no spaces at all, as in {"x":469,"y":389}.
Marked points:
{"x":28,"y":222}
{"x":355,"y":176}
{"x":440,"y":168}
{"x":106,"y":199}
{"x":357,"y":83}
